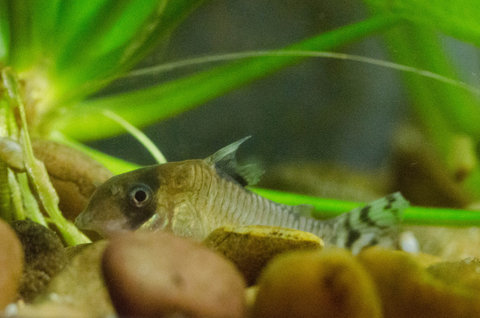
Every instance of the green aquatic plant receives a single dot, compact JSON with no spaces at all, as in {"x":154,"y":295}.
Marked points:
{"x":56,"y":54}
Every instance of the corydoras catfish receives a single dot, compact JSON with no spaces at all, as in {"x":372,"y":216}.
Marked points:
{"x":191,"y":198}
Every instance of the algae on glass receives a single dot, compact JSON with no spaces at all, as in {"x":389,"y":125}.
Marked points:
{"x":56,"y":54}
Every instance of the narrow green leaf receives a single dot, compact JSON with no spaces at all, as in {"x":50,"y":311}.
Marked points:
{"x":31,"y":26}
{"x":459,"y":18}
{"x":5,"y":195}
{"x":44,"y":15}
{"x":172,"y":15}
{"x":29,"y":200}
{"x":74,"y":21}
{"x":413,"y":215}
{"x":4,"y":31}
{"x":104,"y":28}
{"x":139,"y":135}
{"x":144,"y":107}
{"x":18,"y":212}
{"x":20,"y":49}
{"x":111,"y":42}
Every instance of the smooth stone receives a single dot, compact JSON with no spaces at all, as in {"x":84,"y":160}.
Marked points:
{"x":251,"y":247}
{"x":44,"y":257}
{"x":314,"y":284}
{"x":159,"y":275}
{"x":47,"y":310}
{"x":11,"y":264}
{"x":80,"y":285}
{"x":464,"y":273}
{"x":409,"y":290}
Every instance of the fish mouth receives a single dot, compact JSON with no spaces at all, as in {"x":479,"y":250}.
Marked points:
{"x":106,"y":228}
{"x":79,"y":221}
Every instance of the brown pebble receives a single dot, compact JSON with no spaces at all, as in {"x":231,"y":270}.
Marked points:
{"x":311,"y":284}
{"x":464,"y":273}
{"x":80,"y":285}
{"x":408,"y":290}
{"x":158,"y":274}
{"x":49,"y":310}
{"x":11,"y":264}
{"x":251,"y":247}
{"x":44,"y":257}
{"x":74,"y":175}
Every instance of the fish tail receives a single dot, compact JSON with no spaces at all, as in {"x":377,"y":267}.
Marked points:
{"x":377,"y":223}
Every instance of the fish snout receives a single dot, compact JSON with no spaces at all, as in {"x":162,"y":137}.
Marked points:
{"x":82,"y":220}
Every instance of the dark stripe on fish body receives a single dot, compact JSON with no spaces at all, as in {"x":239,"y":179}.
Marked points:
{"x":365,"y":218}
{"x":353,"y":235}
{"x":373,"y":241}
{"x":390,"y":200}
{"x":347,"y":225}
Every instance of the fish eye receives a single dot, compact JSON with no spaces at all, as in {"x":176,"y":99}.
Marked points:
{"x":140,"y":195}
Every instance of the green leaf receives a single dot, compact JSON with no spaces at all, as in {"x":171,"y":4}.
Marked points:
{"x":458,"y":18}
{"x":99,"y":28}
{"x":20,"y":49}
{"x":144,"y":107}
{"x":110,"y":40}
{"x":173,"y":14}
{"x":4,"y":32}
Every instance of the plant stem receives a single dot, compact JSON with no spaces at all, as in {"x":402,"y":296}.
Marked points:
{"x":37,"y":171}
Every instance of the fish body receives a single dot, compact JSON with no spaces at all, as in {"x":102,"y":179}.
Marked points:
{"x":191,"y":198}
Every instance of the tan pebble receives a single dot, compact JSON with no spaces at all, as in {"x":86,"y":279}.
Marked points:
{"x":408,"y":290}
{"x":11,"y":264}
{"x":251,"y":247}
{"x":464,"y":273}
{"x":329,"y":283}
{"x":158,"y":274}
{"x":80,"y":285}
{"x":50,"y":311}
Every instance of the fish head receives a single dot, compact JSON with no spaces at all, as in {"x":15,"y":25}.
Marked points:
{"x":122,"y":203}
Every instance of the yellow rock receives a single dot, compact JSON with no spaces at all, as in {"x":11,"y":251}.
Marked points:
{"x":306,"y":284}
{"x":251,"y":247}
{"x":464,"y":273}
{"x":11,"y":264}
{"x":408,"y":290}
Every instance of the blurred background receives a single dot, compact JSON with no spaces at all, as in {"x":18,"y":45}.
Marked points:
{"x":319,"y":116}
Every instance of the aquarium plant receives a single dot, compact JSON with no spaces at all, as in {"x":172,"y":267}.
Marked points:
{"x":55,"y":55}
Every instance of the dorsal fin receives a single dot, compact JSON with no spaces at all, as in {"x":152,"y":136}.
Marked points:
{"x":226,"y":164}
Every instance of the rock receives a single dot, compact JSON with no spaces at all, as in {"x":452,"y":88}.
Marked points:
{"x":44,"y":257}
{"x":158,"y":274}
{"x":47,"y":310}
{"x":251,"y":247}
{"x":408,"y":290}
{"x":328,"y":283}
{"x":464,"y":273}
{"x":11,"y":264}
{"x":80,"y":285}
{"x":74,"y":175}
